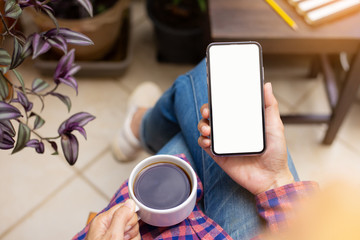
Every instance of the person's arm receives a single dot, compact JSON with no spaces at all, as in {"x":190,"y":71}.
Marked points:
{"x":276,"y":206}
{"x":267,"y":176}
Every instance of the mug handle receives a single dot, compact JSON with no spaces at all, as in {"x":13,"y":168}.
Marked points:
{"x":137,"y":210}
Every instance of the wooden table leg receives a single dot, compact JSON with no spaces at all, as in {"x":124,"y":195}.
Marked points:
{"x":346,"y":98}
{"x":314,"y":67}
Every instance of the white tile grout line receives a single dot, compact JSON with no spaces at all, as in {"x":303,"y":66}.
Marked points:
{"x":87,"y":166}
{"x":77,"y":173}
{"x":39,"y":205}
{"x":348,"y":145}
{"x":306,"y":95}
{"x":294,"y":107}
{"x":124,"y":87}
{"x":137,"y":22}
{"x":284,"y":102}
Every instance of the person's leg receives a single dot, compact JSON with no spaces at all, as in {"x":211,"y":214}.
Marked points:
{"x":177,"y":110}
{"x":223,"y":204}
{"x":176,"y":145}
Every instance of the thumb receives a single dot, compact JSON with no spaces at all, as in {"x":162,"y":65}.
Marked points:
{"x":120,"y":219}
{"x":271,"y":107}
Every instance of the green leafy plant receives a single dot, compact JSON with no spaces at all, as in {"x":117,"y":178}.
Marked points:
{"x":15,"y":106}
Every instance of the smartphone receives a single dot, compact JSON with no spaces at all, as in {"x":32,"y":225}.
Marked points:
{"x":235,"y":77}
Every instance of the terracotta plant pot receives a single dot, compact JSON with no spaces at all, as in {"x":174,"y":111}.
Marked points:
{"x":103,"y":29}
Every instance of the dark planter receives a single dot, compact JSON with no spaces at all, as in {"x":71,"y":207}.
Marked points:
{"x":178,"y":45}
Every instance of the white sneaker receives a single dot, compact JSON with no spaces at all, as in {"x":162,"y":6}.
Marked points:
{"x":126,"y":146}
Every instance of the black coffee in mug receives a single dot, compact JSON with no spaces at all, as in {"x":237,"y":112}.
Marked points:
{"x":162,"y":186}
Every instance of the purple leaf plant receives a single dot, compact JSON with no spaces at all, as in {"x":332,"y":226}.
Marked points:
{"x":15,"y":105}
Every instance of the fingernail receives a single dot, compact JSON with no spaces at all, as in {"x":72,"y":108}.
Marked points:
{"x":206,"y":141}
{"x":204,"y":128}
{"x":130,"y":204}
{"x":126,"y":237}
{"x":270,"y":86}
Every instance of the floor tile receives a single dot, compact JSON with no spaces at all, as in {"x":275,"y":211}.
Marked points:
{"x":288,"y":75}
{"x":62,"y":216}
{"x":350,"y":129}
{"x":26,"y":178}
{"x":138,"y":11}
{"x":108,"y":174}
{"x":102,"y":98}
{"x":319,"y":162}
{"x":316,"y":101}
{"x":291,"y":90}
{"x":144,"y":66}
{"x":284,"y":107}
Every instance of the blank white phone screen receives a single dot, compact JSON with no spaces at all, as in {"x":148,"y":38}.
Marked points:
{"x":236,"y":98}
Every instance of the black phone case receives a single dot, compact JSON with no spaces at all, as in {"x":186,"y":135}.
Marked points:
{"x":262,"y":98}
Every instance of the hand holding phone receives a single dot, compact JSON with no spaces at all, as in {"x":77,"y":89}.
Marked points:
{"x":256,"y":173}
{"x":235,"y":87}
{"x":235,"y":139}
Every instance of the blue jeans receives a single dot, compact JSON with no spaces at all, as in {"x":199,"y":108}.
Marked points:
{"x":170,"y":127}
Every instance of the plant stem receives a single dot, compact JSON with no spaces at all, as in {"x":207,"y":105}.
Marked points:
{"x":20,"y":88}
{"x":8,"y":30}
{"x":27,"y":117}
{"x":37,"y":134}
{"x":33,"y":131}
{"x":7,"y":80}
{"x":13,"y":25}
{"x":51,"y":138}
{"x":29,"y":91}
{"x":5,"y":25}
{"x":51,"y":91}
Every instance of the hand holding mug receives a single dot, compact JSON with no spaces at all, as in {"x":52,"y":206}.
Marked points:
{"x":119,"y":222}
{"x":174,"y":203}
{"x":261,"y":172}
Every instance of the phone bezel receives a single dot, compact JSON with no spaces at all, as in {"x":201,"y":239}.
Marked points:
{"x":210,"y":98}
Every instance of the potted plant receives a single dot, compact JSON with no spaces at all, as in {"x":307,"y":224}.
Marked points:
{"x":16,"y":109}
{"x":181,"y":29}
{"x":103,"y":28}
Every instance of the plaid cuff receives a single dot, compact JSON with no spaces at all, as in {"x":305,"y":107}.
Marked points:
{"x":276,"y":204}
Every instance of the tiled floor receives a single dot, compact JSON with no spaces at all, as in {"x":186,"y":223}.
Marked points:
{"x":43,"y":198}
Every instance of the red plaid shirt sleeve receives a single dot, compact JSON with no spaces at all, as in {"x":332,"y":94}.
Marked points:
{"x":272,"y":205}
{"x":276,"y":204}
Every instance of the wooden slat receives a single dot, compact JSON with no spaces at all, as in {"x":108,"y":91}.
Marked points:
{"x":307,"y":119}
{"x":330,"y":80}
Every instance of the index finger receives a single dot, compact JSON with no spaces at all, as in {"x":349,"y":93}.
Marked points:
{"x":121,"y":218}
